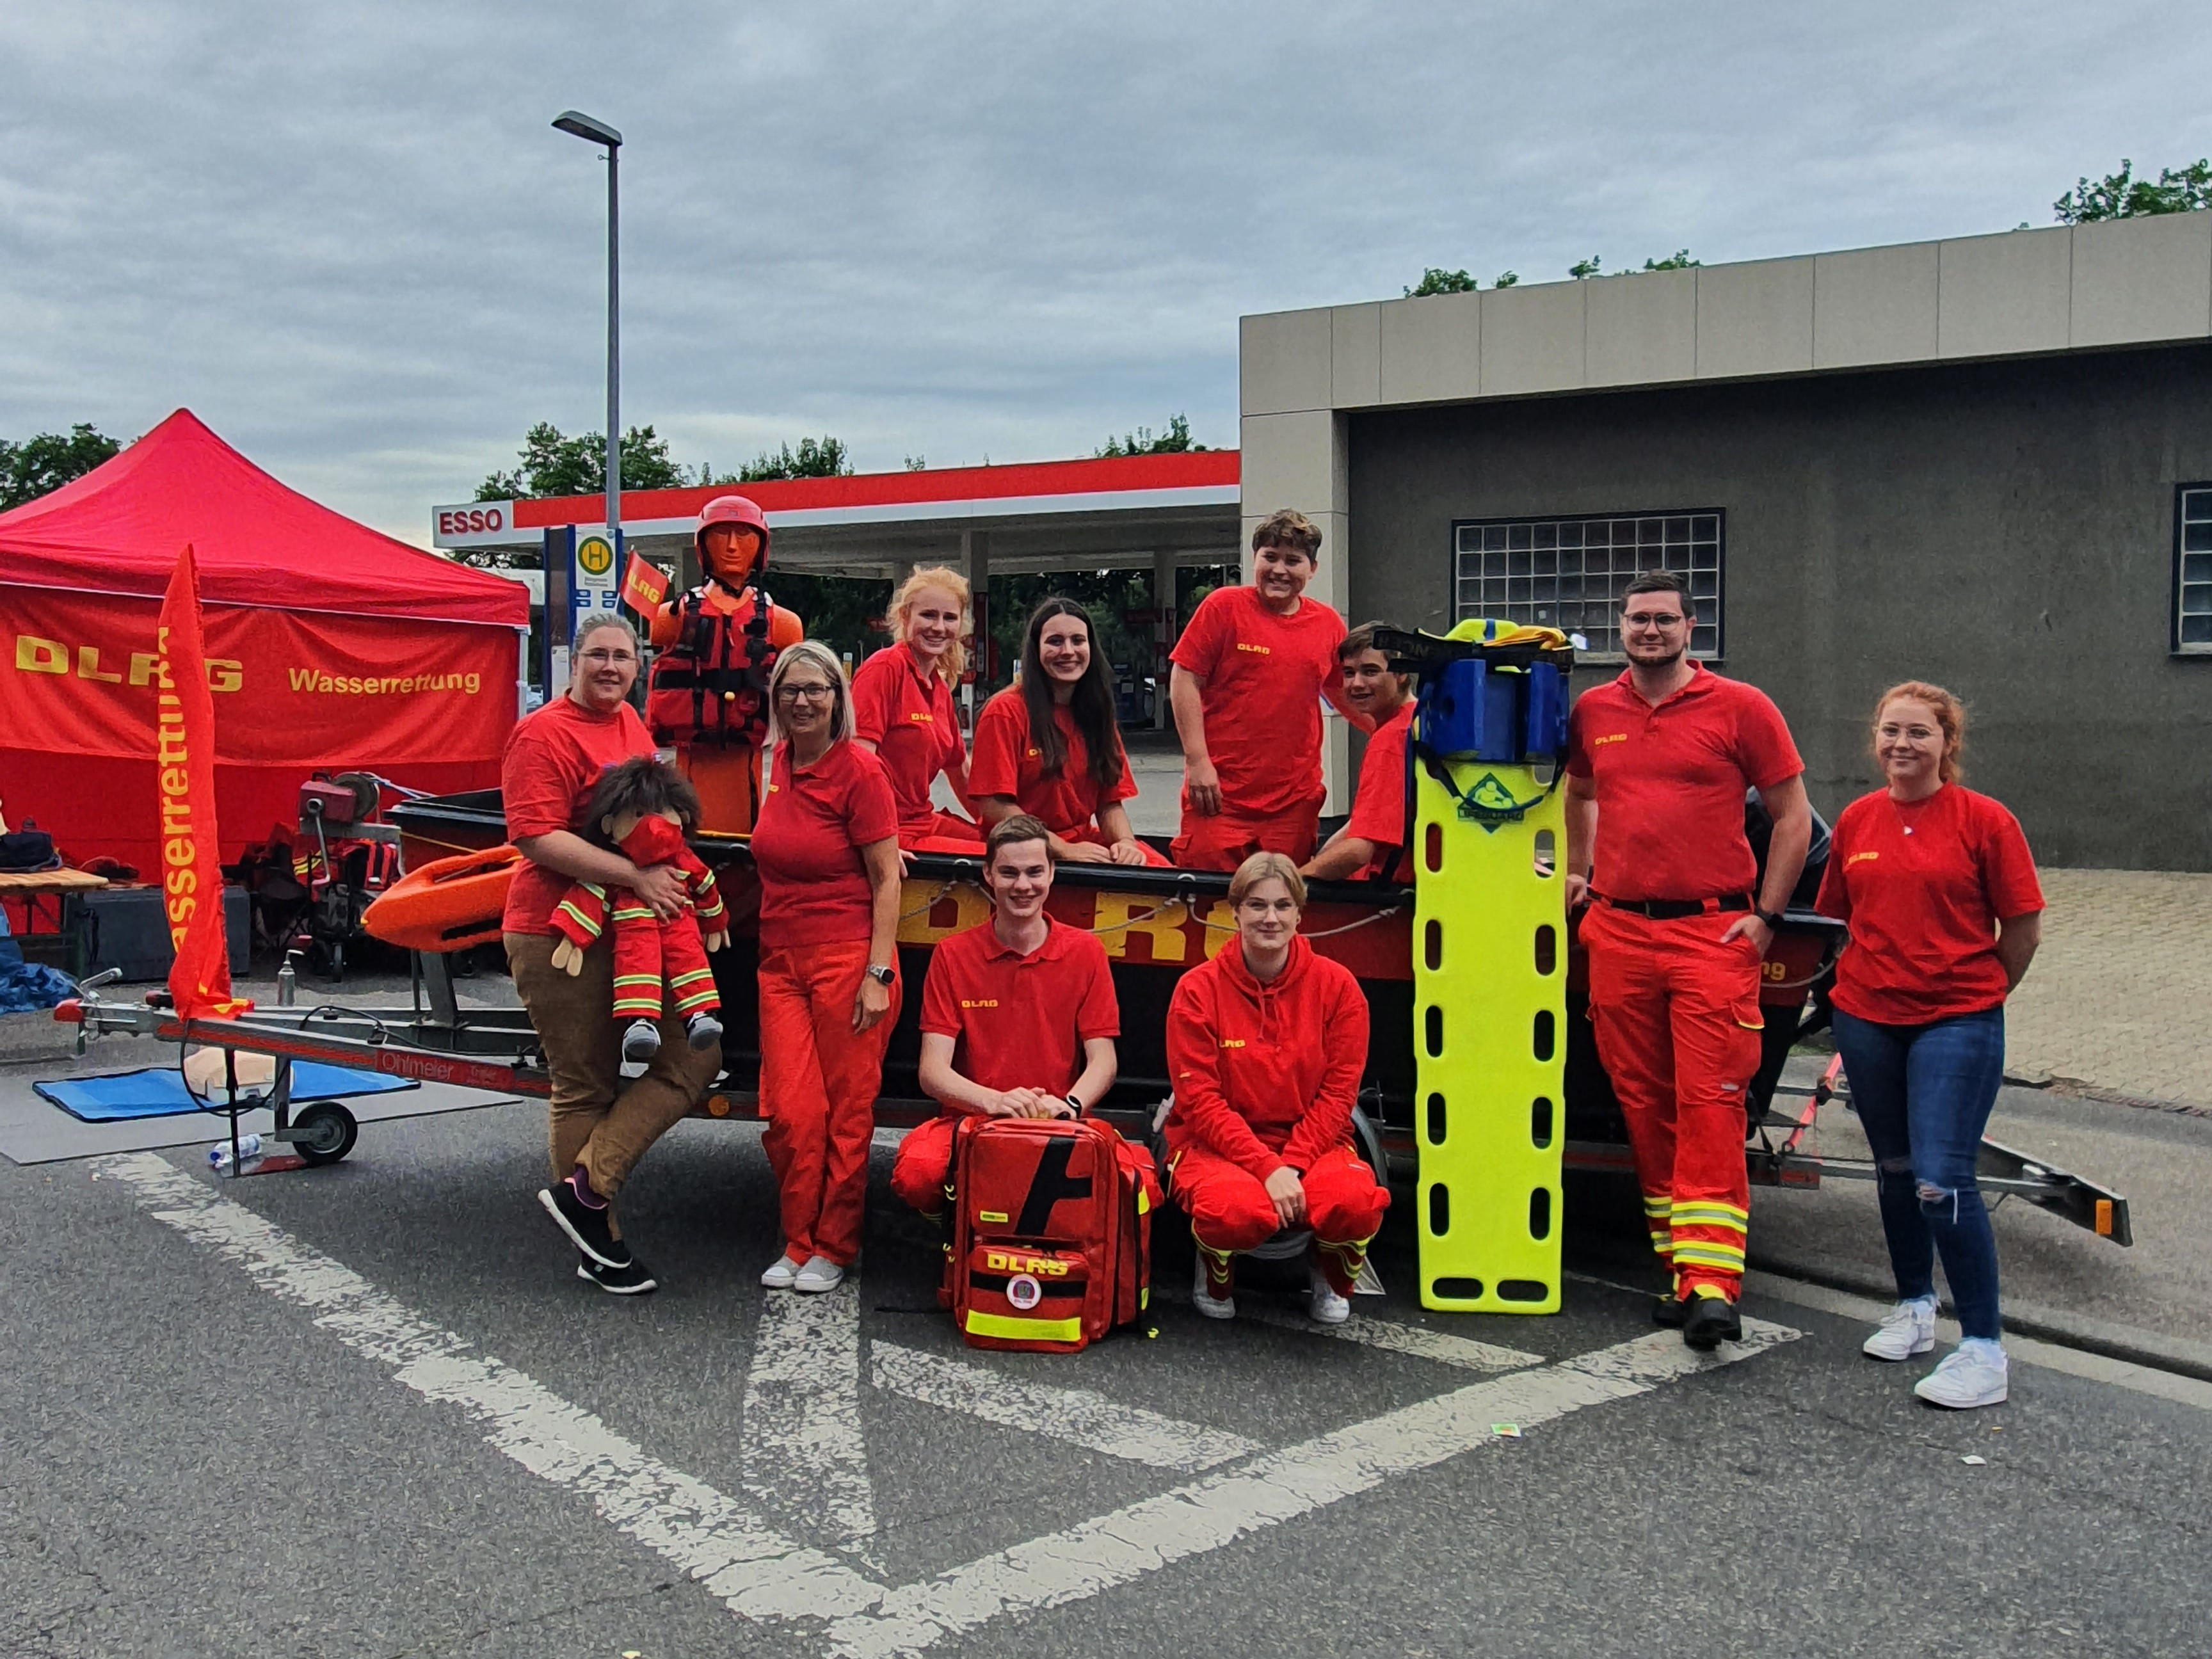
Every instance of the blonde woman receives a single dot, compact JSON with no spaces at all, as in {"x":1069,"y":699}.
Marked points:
{"x":1946,"y":913}
{"x":903,"y":705}
{"x":826,"y":846}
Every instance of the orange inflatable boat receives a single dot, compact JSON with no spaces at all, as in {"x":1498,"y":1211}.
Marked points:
{"x":447,"y":905}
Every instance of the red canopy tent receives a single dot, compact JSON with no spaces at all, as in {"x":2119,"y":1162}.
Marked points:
{"x":329,"y":645}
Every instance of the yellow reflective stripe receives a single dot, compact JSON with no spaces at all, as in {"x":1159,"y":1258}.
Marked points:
{"x":1700,"y":1218}
{"x":693,"y":977}
{"x":1711,"y":1206}
{"x":633,"y":915}
{"x":1687,"y":1255}
{"x":588,"y":924}
{"x":1144,"y":1202}
{"x":696,"y":1000}
{"x":594,"y":889}
{"x":637,"y":979}
{"x":1024,"y":1330}
{"x":1657,"y":1206}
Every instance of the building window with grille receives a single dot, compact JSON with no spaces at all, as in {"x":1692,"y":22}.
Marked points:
{"x":1571,"y":573}
{"x":2192,"y":571}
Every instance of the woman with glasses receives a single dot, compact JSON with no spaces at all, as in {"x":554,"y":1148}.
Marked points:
{"x":600,"y":1125}
{"x":1050,"y":747}
{"x":826,"y":846}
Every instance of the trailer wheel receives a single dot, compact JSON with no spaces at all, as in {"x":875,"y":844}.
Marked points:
{"x":324,"y":1131}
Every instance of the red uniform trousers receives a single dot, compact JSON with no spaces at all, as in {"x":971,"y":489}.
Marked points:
{"x":948,"y":832}
{"x":1230,"y":1209}
{"x":648,"y":951}
{"x":819,"y":1079}
{"x":922,"y":1173}
{"x":1677,"y":1019}
{"x":1225,"y":840}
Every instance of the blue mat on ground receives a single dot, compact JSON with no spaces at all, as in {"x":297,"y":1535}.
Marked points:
{"x":160,"y":1092}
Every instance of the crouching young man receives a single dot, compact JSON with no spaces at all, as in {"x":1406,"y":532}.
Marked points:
{"x":1265,"y":1044}
{"x":1018,"y":1016}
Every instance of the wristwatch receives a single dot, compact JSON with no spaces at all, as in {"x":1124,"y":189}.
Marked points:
{"x":884,"y":976}
{"x":1074,"y":1103}
{"x":1771,"y":918}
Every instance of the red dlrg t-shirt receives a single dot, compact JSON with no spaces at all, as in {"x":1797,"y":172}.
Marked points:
{"x":908,"y":715}
{"x":553,"y":762}
{"x":1264,"y":675}
{"x":1020,"y":1021}
{"x":806,"y":845}
{"x":1006,"y":762}
{"x":1922,"y":884}
{"x":1378,"y":809}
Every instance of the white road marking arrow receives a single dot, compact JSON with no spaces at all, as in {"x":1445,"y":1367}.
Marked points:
{"x":805,"y":1455}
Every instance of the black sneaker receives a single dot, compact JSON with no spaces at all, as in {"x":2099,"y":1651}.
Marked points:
{"x":1669,"y":1311}
{"x":587,"y":1228}
{"x":1712,"y":1321}
{"x":633,"y":1278}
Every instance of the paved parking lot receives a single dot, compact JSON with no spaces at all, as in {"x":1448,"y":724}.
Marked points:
{"x":368,"y":1410}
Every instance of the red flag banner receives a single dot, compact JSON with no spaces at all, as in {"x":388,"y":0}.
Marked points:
{"x":645,"y":585}
{"x":183,"y":773}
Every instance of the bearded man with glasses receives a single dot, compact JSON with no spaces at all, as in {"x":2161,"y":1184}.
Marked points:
{"x":1657,"y":765}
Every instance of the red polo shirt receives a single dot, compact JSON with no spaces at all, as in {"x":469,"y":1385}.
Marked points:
{"x":806,"y":843}
{"x":1378,"y":807}
{"x":1670,"y":782}
{"x":1006,"y":762}
{"x":908,"y":714}
{"x":1922,"y":884}
{"x":1265,"y":676}
{"x":553,"y":762}
{"x":1020,"y":1022}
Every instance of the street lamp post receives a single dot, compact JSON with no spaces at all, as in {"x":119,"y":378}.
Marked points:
{"x":598,"y":132}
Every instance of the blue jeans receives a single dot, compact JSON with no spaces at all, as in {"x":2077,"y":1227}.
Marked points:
{"x":1924,"y":1094}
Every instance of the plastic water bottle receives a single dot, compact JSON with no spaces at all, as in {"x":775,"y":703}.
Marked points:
{"x":249,"y":1148}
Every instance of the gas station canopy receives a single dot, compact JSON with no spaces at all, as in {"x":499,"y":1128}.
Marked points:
{"x":1121,"y":512}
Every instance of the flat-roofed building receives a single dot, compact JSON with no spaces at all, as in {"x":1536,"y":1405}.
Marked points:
{"x":1985,"y":462}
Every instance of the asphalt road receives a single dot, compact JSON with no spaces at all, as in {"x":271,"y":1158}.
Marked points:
{"x":368,"y":1410}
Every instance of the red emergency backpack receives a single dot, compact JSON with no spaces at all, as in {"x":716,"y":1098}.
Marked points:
{"x":1052,"y":1232}
{"x":711,"y":686}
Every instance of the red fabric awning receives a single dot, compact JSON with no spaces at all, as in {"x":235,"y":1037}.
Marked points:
{"x":117,"y":530}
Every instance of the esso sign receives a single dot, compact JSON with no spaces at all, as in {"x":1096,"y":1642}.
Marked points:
{"x":470,"y":520}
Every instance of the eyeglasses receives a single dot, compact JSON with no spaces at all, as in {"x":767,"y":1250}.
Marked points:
{"x":604,"y":657}
{"x":811,"y":693}
{"x":1654,"y":619}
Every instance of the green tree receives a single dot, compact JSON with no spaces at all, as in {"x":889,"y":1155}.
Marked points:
{"x":43,"y":464}
{"x":2123,"y":196}
{"x":1582,"y":268}
{"x":1176,"y":440}
{"x":822,"y":458}
{"x":1436,"y":280}
{"x":554,"y":463}
{"x":1679,"y":259}
{"x":1507,"y":279}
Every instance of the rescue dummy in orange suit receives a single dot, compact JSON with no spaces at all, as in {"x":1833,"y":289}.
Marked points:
{"x":708,"y":694}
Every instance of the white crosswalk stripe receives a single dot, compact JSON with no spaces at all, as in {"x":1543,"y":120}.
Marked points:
{"x":805,"y":1457}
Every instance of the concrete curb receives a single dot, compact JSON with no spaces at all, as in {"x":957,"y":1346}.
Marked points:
{"x":2129,"y":1343}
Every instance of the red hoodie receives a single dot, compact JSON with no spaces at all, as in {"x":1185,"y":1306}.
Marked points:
{"x":1266,"y":1075}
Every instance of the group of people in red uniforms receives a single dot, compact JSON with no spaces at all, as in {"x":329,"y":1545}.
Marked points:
{"x":1267,"y":1039}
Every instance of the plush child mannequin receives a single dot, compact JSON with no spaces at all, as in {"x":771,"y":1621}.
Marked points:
{"x":642,"y":808}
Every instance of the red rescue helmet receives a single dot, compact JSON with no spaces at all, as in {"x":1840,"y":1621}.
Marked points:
{"x":732,"y":509}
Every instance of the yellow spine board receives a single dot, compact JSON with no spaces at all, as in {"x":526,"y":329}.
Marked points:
{"x":1490,"y":993}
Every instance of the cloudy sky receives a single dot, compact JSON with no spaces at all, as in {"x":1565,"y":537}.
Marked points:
{"x":348,"y":238}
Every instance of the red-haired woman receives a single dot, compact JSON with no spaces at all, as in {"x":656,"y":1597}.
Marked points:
{"x":1050,"y":747}
{"x":1946,"y":913}
{"x":827,"y":849}
{"x":902,"y":709}
{"x":1265,"y":1044}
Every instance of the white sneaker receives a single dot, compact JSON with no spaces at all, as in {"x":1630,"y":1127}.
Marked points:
{"x":1973,"y":1373}
{"x":1324,"y":1306}
{"x":1210,"y":1306}
{"x":782,"y":1276}
{"x":819,"y":1274}
{"x":1906,"y":1329}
